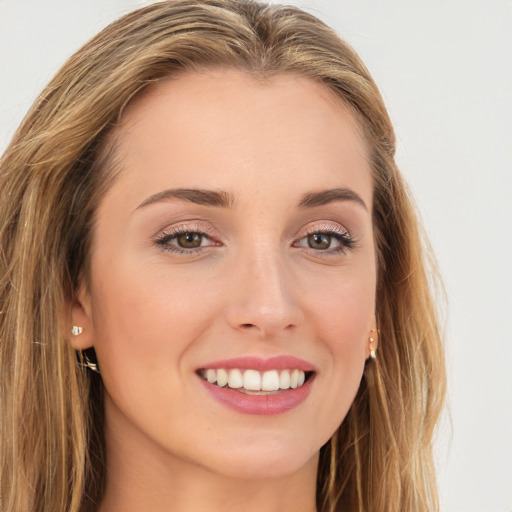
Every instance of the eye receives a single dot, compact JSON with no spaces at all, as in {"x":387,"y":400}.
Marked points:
{"x":190,"y":240}
{"x":330,"y":241}
{"x":184,"y":240}
{"x":320,"y":241}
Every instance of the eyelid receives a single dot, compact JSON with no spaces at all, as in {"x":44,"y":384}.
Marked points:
{"x":324,"y":227}
{"x":171,"y":232}
{"x":345,"y":239}
{"x":332,"y":228}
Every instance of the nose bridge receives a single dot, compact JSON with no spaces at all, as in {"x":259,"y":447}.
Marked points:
{"x":264,"y":300}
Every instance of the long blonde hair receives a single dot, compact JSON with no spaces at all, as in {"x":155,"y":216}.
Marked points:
{"x":52,"y":177}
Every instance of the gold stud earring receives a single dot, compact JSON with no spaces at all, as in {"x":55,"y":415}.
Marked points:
{"x":373,"y":354}
{"x":373,"y":345}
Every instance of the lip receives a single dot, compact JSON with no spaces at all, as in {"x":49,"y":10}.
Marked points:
{"x":262,"y":364}
{"x":278,"y":403}
{"x":270,"y":404}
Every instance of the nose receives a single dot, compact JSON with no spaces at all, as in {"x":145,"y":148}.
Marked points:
{"x":263,"y":301}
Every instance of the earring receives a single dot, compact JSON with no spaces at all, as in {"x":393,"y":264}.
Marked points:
{"x":76,"y":330}
{"x":89,"y":364}
{"x":373,"y":345}
{"x":85,"y":361}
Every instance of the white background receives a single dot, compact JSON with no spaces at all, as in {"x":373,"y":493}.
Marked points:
{"x":444,"y":68}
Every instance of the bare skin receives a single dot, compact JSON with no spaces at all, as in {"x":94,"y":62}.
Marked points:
{"x":277,"y":261}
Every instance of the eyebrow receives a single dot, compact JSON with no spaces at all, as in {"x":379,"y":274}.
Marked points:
{"x":192,"y":195}
{"x":223,"y":199}
{"x":323,"y":197}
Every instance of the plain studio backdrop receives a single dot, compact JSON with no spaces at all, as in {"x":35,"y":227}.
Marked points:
{"x":445,"y":71}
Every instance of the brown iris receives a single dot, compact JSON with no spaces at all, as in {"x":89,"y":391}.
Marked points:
{"x":189,"y":240}
{"x":319,"y":241}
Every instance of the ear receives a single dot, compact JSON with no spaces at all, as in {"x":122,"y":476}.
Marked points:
{"x":81,"y":316}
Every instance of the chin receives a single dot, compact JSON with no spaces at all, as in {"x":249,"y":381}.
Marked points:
{"x":262,"y":461}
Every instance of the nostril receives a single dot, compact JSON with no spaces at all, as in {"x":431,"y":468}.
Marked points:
{"x":247,"y":326}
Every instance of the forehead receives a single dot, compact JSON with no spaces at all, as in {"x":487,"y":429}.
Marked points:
{"x":225,"y":125}
{"x":194,"y":95}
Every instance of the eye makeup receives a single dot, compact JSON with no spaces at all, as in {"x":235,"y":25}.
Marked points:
{"x":190,"y":239}
{"x":186,"y":239}
{"x":327,"y":241}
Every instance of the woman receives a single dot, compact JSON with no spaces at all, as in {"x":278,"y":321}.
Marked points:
{"x":213,"y":291}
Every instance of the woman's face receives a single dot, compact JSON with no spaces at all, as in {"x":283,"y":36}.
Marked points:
{"x":236,"y":244}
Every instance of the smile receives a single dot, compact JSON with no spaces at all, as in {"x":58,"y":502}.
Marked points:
{"x":258,"y":385}
{"x":252,"y":381}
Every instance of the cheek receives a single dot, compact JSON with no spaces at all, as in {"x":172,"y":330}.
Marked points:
{"x":145,"y":325}
{"x":344,"y":309}
{"x":345,"y":325}
{"x":144,"y":322}
{"x":343,"y":318}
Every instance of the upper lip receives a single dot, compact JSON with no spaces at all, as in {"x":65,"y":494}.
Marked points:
{"x":262,"y":364}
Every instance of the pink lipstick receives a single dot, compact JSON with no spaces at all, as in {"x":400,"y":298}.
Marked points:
{"x":253,"y":385}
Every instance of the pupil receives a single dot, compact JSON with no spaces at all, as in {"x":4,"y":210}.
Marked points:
{"x":319,"y":241}
{"x":189,"y":240}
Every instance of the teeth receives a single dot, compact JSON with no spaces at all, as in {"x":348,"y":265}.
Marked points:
{"x":222,"y":378}
{"x":294,"y":379}
{"x":284,"y":380}
{"x":270,"y":381}
{"x":236,"y":379}
{"x":253,"y":380}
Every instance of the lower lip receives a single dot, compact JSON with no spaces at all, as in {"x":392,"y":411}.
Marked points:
{"x":260,"y":404}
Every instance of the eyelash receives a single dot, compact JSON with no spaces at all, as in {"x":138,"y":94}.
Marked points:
{"x":168,"y":235}
{"x":345,"y":240}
